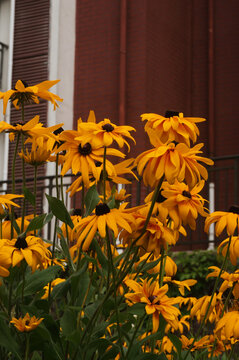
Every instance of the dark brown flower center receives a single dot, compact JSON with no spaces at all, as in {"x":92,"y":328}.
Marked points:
{"x":19,"y":123}
{"x":77,"y":212}
{"x":27,"y":322}
{"x":21,"y":242}
{"x":234,"y":209}
{"x":187,"y":194}
{"x":102,"y":209}
{"x":98,"y":163}
{"x":152,"y":298}
{"x":170,"y":113}
{"x":160,"y":197}
{"x":85,"y":150}
{"x":58,"y":131}
{"x":108,"y":127}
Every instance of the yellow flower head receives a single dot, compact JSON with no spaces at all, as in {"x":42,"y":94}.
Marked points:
{"x":27,"y":323}
{"x":233,"y":249}
{"x":84,"y":158}
{"x":174,"y":162}
{"x":37,"y":156}
{"x":172,"y":126}
{"x":6,"y":226}
{"x":184,"y":204}
{"x":24,"y":94}
{"x":228,"y":326}
{"x":223,"y":219}
{"x":155,"y":236}
{"x":104,"y":133}
{"x":200,"y":308}
{"x":156,"y":300}
{"x":31,"y":129}
{"x":29,"y":248}
{"x":115,"y":219}
{"x":6,"y":202}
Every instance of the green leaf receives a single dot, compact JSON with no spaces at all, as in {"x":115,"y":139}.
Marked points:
{"x":36,"y":223}
{"x":151,"y":357}
{"x":65,"y":249}
{"x":7,"y":340}
{"x":29,"y":196}
{"x":176,"y":342}
{"x":100,"y":255}
{"x":91,"y":200}
{"x":36,"y":281}
{"x":68,"y":322}
{"x":137,"y":309}
{"x":59,"y":210}
{"x":79,"y":286}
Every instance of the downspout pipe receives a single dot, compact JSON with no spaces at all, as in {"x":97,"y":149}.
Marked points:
{"x":122,"y":65}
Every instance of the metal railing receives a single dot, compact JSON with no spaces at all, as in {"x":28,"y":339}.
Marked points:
{"x":221,"y":190}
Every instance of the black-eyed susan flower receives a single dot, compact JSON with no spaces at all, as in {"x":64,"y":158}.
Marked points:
{"x":159,"y":209}
{"x":84,"y":158}
{"x":173,"y":162}
{"x":154,"y":238}
{"x":233,"y":249}
{"x":115,"y":219}
{"x":156,"y":300}
{"x":172,"y":126}
{"x":104,"y":133}
{"x":228,"y":325}
{"x":27,"y":323}
{"x":201,"y":307}
{"x":6,"y":226}
{"x":32,"y":249}
{"x":37,"y":156}
{"x":229,"y":280}
{"x":6,"y":202}
{"x":183,"y":203}
{"x":31,"y":129}
{"x":181,"y":284}
{"x":183,"y":323}
{"x":29,"y":94}
{"x":223,"y":219}
{"x":170,"y":266}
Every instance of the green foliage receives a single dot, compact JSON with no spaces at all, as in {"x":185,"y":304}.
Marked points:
{"x":194,"y":265}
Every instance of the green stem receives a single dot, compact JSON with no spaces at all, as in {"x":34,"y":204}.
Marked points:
{"x":13,"y":179}
{"x":114,"y":289}
{"x":23,"y":185}
{"x":57,"y":182}
{"x":162,"y":263}
{"x":27,"y":347}
{"x":104,"y":174}
{"x":83,"y":200}
{"x":35,"y":190}
{"x":140,"y":322}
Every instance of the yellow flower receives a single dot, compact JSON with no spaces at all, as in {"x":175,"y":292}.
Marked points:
{"x":223,"y":219}
{"x":31,"y":129}
{"x":228,"y":325}
{"x":6,"y":202}
{"x":115,"y":219}
{"x":183,"y":324}
{"x":155,"y":236}
{"x":159,"y":209}
{"x":170,"y":266}
{"x":181,"y":284}
{"x":54,"y":283}
{"x":6,"y":226}
{"x":184,"y":204}
{"x":28,"y":94}
{"x":104,"y":133}
{"x":233,"y":250}
{"x":27,"y":323}
{"x":37,"y":156}
{"x":30,"y":248}
{"x":156,"y":300}
{"x":172,"y":126}
{"x":84,"y":158}
{"x":200,"y":308}
{"x":174,"y":162}
{"x":230,"y":280}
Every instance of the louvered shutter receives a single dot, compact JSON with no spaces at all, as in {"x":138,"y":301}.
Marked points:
{"x":30,"y":63}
